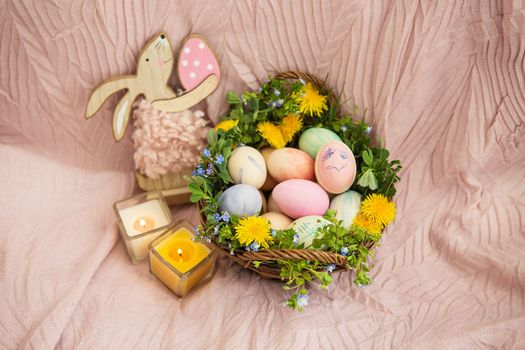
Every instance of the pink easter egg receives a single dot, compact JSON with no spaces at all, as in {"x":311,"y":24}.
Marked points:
{"x":335,"y":167}
{"x":290,"y":163}
{"x":298,"y":197}
{"x":196,"y":62}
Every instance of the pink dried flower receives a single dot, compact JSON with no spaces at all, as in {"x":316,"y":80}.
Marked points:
{"x":166,"y":142}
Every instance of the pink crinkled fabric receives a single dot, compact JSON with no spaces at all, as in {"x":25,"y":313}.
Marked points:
{"x":166,"y":142}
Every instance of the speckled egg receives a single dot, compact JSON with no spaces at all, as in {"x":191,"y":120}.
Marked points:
{"x":335,"y":167}
{"x":307,"y":228}
{"x":313,"y":139}
{"x":270,"y":182}
{"x":246,"y":165}
{"x":347,"y":206}
{"x":242,"y":200}
{"x":299,"y":197}
{"x":272,"y":206}
{"x":290,"y":163}
{"x":278,"y":221}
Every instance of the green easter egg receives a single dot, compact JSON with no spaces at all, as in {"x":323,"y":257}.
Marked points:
{"x":314,"y":138}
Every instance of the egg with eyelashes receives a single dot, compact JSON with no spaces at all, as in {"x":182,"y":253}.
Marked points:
{"x":335,"y":167}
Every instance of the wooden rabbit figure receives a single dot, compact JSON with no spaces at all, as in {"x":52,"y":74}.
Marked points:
{"x":198,"y":72}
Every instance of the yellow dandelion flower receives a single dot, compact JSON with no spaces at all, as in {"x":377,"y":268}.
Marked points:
{"x":253,"y":229}
{"x":290,"y":125}
{"x":378,"y":208}
{"x":271,"y":133}
{"x":364,"y":222}
{"x":226,"y":125}
{"x":311,"y":102}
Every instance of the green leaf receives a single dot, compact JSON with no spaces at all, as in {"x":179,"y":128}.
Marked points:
{"x":233,"y":98}
{"x":256,"y":264}
{"x":212,"y":137}
{"x":253,"y":104}
{"x":368,"y":157}
{"x":196,"y":197}
{"x":194,"y":188}
{"x":368,"y":179}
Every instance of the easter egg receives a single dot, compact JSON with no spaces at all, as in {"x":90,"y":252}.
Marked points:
{"x":307,"y":228}
{"x":335,"y":167}
{"x":290,"y":163}
{"x":247,"y":166}
{"x":313,"y":139}
{"x":272,"y":206}
{"x":347,"y":206}
{"x":300,"y":197}
{"x":270,"y":182}
{"x":264,"y":208}
{"x":278,"y":221}
{"x":241,"y":200}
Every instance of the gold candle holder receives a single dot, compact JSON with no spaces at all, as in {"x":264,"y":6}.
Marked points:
{"x":141,"y":219}
{"x":179,"y":262}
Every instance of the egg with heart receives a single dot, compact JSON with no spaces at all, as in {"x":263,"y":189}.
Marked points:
{"x":246,"y":165}
{"x":241,"y":200}
{"x":335,"y":167}
{"x":298,"y":197}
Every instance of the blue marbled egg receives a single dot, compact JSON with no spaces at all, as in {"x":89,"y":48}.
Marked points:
{"x":241,"y":200}
{"x":346,"y":205}
{"x":313,"y":139}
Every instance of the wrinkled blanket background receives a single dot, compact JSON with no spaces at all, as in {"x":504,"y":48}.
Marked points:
{"x":444,"y":85}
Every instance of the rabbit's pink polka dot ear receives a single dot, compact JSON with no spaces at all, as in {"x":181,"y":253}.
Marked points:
{"x":196,"y":62}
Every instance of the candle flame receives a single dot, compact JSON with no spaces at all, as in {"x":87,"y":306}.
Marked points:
{"x":179,"y":251}
{"x":142,"y":222}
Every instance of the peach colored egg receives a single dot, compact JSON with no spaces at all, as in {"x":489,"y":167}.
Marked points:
{"x":270,"y":182}
{"x":298,"y":197}
{"x":290,"y":163}
{"x":278,"y":221}
{"x":335,"y":167}
{"x":272,"y":206}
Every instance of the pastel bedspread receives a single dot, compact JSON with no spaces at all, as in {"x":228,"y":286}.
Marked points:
{"x":444,"y":85}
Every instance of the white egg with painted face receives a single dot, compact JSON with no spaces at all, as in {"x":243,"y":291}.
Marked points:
{"x":335,"y":167}
{"x":246,"y":166}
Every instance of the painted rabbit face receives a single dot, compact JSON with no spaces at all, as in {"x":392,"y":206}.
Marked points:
{"x":156,"y":60}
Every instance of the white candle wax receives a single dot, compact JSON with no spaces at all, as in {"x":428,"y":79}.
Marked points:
{"x":138,"y":246}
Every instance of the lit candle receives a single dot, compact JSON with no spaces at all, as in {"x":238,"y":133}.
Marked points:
{"x":179,"y":262}
{"x":144,"y":224}
{"x":142,"y":219}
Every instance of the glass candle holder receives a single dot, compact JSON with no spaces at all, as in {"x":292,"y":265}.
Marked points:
{"x":141,"y":219}
{"x":179,"y":262}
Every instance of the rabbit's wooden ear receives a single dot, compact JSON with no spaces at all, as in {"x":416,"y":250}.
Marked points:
{"x":196,"y":62}
{"x":105,"y":89}
{"x":122,"y":115}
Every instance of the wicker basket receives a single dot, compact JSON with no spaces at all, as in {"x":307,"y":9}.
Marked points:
{"x":268,"y":267}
